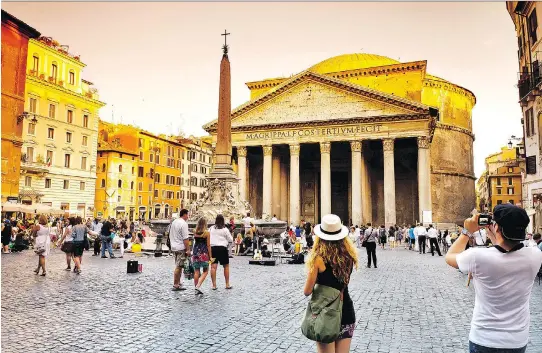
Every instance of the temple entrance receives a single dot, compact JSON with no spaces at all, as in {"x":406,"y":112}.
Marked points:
{"x":339,"y":195}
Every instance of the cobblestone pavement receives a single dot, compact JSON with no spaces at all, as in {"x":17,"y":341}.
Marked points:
{"x":411,"y":303}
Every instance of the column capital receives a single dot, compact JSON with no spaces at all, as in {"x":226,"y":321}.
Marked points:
{"x":387,"y":144}
{"x":294,"y":150}
{"x":423,"y":142}
{"x":267,"y":150}
{"x":325,"y":147}
{"x":241,"y":151}
{"x":355,"y":146}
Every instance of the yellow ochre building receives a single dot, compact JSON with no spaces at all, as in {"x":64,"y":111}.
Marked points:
{"x":363,"y":136}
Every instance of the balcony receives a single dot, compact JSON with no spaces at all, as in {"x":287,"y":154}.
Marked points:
{"x":529,"y":82}
{"x":34,"y":167}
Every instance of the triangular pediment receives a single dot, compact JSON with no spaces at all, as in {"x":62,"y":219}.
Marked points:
{"x":68,"y":149}
{"x":310,"y":97}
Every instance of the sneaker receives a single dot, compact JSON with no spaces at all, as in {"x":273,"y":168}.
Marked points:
{"x":112,"y":257}
{"x":104,"y":257}
{"x":69,"y":269}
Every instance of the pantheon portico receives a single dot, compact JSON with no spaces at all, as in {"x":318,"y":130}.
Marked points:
{"x":359,"y":135}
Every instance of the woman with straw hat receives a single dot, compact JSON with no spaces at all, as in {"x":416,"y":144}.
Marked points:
{"x":330,"y":265}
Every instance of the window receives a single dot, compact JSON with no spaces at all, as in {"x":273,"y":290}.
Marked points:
{"x":67,"y":160}
{"x":50,"y":133}
{"x":84,"y":163}
{"x":36,"y":63}
{"x":510,"y":181}
{"x":141,"y":143}
{"x":532,"y":27}
{"x":194,"y":167}
{"x":47,"y":183}
{"x":157,"y":178}
{"x":69,"y":117}
{"x":156,"y":193}
{"x":499,"y":202}
{"x":132,"y":185}
{"x":151,"y":158}
{"x":182,"y":194}
{"x":104,"y":167}
{"x":498,"y":181}
{"x":103,"y":183}
{"x":85,"y":120}
{"x":30,"y":154}
{"x":31,"y":128}
{"x":33,"y":105}
{"x":28,"y":181}
{"x":118,"y":198}
{"x":133,"y":169}
{"x":52,"y":111}
{"x":82,"y":185}
{"x":150,"y":187}
{"x":140,"y":186}
{"x":140,"y":172}
{"x":529,"y":123}
{"x":510,"y":191}
{"x":66,"y":184}
{"x":72,"y":78}
{"x":68,"y":137}
{"x":139,"y":200}
{"x":85,"y":140}
{"x":49,"y":159}
{"x":120,"y":168}
{"x":119,"y":184}
{"x":157,"y":159}
{"x":54,"y":71}
{"x":141,"y":155}
{"x":499,"y":191}
{"x":510,"y":170}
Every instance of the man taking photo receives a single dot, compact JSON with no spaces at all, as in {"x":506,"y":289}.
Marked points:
{"x":503,"y":277}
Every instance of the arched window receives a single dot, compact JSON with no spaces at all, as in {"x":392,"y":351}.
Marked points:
{"x":120,"y":183}
{"x":120,"y":168}
{"x":132,"y":185}
{"x":103,"y":167}
{"x":103,"y":183}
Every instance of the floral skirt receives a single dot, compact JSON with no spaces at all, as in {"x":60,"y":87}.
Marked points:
{"x":200,"y":259}
{"x":347,"y":331}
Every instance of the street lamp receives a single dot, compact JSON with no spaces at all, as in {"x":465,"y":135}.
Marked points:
{"x":27,"y":115}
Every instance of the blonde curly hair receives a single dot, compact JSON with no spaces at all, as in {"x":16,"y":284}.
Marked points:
{"x":341,"y":255}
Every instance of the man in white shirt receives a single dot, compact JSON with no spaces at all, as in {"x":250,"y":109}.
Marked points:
{"x":480,"y":237}
{"x":420,"y":232}
{"x":246,"y":223}
{"x":178,"y":238}
{"x":432,"y":233}
{"x":503,"y":277}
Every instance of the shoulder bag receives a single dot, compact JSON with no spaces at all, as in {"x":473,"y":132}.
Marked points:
{"x":322,"y":322}
{"x":364,"y":242}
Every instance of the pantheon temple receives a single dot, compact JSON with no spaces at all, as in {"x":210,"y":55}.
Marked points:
{"x":363,"y":136}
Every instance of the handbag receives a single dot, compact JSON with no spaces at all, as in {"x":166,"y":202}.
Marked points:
{"x":322,"y":322}
{"x":364,"y":242}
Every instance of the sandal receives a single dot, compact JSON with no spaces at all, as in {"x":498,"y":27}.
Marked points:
{"x":44,"y":273}
{"x":198,"y":291}
{"x":37,"y":271}
{"x":229,"y":287}
{"x":214,"y":288}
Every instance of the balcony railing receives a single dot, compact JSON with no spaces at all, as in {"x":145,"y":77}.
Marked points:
{"x":34,"y":167}
{"x":530,"y":80}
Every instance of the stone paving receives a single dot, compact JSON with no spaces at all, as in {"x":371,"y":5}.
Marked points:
{"x":411,"y":303}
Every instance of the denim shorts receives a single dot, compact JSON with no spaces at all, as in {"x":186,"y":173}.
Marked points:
{"x":476,"y":348}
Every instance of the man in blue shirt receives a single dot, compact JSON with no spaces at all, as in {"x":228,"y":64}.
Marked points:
{"x":538,"y":239}
{"x":412,"y":237}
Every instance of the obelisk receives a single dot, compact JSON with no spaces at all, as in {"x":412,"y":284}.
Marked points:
{"x":223,"y":150}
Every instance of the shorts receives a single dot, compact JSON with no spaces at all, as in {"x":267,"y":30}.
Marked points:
{"x":200,"y":264}
{"x":220,"y":253}
{"x":78,"y":248}
{"x":392,"y":239}
{"x":347,"y":331}
{"x":180,"y":258}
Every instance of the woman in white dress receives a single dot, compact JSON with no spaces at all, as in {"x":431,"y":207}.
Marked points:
{"x":42,"y":243}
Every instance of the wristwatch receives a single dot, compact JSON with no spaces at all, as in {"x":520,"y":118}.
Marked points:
{"x":466,"y":232}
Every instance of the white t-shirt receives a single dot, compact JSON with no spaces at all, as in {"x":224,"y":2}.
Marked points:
{"x":480,"y":237}
{"x":357,"y":233}
{"x":502,"y":283}
{"x":177,"y":234}
{"x":432,"y":233}
{"x":220,"y":237}
{"x":246,"y":222}
{"x":420,"y":231}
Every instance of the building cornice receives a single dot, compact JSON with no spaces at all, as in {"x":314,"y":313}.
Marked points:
{"x":459,"y":174}
{"x":82,"y":97}
{"x":359,"y":120}
{"x":452,"y":87}
{"x":13,"y":22}
{"x":52,"y":50}
{"x":455,"y":128}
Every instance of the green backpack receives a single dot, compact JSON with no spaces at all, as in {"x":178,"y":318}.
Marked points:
{"x":322,"y":322}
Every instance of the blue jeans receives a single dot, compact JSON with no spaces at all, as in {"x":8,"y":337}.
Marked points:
{"x":109,"y":246}
{"x":475,"y":348}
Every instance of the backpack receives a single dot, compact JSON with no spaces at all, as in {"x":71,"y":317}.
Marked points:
{"x":166,"y":234}
{"x":382,"y":232}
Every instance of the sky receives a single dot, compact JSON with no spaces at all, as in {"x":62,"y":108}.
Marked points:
{"x":156,"y":65}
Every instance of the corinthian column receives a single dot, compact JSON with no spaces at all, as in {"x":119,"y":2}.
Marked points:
{"x":294,"y":185}
{"x":283,"y":216}
{"x":424,"y":176}
{"x":276,"y":185}
{"x":267,"y":179}
{"x":357,"y":211}
{"x":325,"y":178}
{"x":389,"y":183}
{"x":242,"y":171}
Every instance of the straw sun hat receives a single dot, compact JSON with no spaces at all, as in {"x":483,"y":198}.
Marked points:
{"x":331,"y":228}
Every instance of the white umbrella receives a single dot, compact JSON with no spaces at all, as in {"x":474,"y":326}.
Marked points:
{"x":40,"y":208}
{"x":11,"y":207}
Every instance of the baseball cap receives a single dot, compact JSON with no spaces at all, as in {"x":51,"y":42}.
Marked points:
{"x":513,"y":221}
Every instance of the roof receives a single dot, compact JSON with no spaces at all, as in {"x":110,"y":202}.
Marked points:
{"x":24,"y":28}
{"x":354,"y":61}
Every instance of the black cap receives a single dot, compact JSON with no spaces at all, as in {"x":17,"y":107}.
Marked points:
{"x":513,"y":221}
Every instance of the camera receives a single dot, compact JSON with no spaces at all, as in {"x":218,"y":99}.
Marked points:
{"x":484,"y":219}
